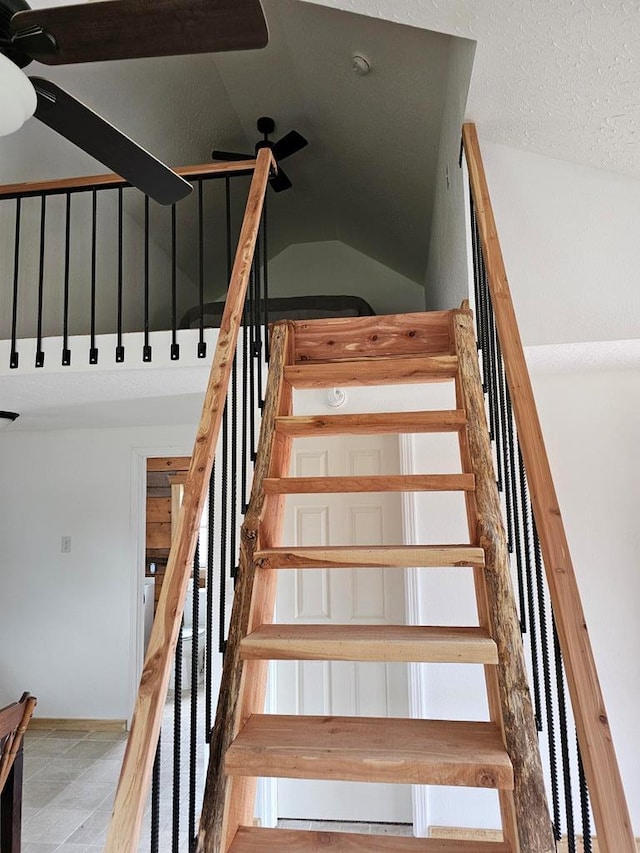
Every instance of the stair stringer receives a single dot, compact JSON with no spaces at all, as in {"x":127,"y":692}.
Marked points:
{"x":525,"y":812}
{"x":229,"y":802}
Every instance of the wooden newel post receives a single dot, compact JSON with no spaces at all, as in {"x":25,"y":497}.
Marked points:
{"x":521,"y":738}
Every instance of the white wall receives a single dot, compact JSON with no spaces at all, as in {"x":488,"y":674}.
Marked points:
{"x":66,"y":618}
{"x":446,"y":277}
{"x":591,"y":423}
{"x":334,"y":268}
{"x":569,"y":235}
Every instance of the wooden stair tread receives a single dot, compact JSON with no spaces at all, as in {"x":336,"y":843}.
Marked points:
{"x":251,"y":839}
{"x":372,"y":371}
{"x":371,"y":749}
{"x":376,"y":483}
{"x":372,"y":423}
{"x":370,"y":643}
{"x":362,"y":556}
{"x":329,"y":338}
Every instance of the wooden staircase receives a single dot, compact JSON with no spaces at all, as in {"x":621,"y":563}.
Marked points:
{"x":501,"y":754}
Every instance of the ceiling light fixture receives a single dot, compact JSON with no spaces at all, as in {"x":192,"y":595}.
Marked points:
{"x":7,"y":418}
{"x":360,"y":64}
{"x":18,"y":99}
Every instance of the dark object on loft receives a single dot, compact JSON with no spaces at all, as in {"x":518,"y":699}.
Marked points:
{"x":285,"y":308}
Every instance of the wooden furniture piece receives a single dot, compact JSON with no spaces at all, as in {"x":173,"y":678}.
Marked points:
{"x":14,"y":720}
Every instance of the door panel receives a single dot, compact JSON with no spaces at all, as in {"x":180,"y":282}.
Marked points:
{"x":342,"y":596}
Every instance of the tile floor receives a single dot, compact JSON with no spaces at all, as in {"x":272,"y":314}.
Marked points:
{"x":70,"y":780}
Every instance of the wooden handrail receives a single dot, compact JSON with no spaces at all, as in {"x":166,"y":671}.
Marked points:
{"x":135,"y":776}
{"x":112,"y":181}
{"x":610,"y":811}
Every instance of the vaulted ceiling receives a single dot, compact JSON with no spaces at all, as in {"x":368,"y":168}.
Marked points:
{"x":367,"y":176}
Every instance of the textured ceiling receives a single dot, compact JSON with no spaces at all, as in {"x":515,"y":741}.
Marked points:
{"x":558,"y":77}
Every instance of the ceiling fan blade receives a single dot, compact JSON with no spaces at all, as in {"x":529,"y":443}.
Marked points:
{"x":288,"y":145}
{"x":127,"y":29}
{"x":80,"y":125}
{"x":230,"y":156}
{"x":280,"y":182}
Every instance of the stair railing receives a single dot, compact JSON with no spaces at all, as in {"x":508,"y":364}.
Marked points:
{"x":510,"y":393}
{"x":135,"y":776}
{"x":73,"y":246}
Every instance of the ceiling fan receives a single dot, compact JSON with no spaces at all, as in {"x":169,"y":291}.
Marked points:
{"x":107,"y":30}
{"x":289,"y":144}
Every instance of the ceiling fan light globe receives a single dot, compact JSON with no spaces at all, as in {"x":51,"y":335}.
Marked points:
{"x":18,"y":99}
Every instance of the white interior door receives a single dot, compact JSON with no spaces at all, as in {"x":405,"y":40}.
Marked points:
{"x":342,"y":596}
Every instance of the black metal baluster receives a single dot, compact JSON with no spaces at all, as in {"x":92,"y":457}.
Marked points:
{"x":252,"y":363}
{"x":512,"y":492}
{"x":479,"y":314}
{"x":233,"y":556}
{"x":43,"y":214}
{"x":533,"y":635}
{"x":257,"y":338}
{"x":208,"y":708}
{"x":202,"y":347}
{"x":265,"y":279}
{"x":93,"y":349}
{"x":587,"y":845}
{"x":548,"y":693}
{"x":494,"y":406}
{"x":119,"y":344}
{"x":502,"y":429}
{"x":177,"y":732}
{"x":146,"y":348}
{"x":193,"y":731}
{"x":245,"y":407}
{"x":155,"y":799}
{"x":14,"y":358}
{"x":481,"y":308}
{"x":175,"y":347}
{"x":66,"y":352}
{"x":222,"y":626}
{"x":564,"y":740}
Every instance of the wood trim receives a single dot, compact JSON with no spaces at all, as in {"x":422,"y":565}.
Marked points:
{"x":225,"y":800}
{"x":112,"y":181}
{"x":611,"y":813}
{"x":67,"y":724}
{"x":496,"y":607}
{"x":135,"y":777}
{"x":167,"y":463}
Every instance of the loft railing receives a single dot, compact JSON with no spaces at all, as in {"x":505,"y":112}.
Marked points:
{"x":141,"y":751}
{"x":559,"y":640}
{"x":92,"y":255}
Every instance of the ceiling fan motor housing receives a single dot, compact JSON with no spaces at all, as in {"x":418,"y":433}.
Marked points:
{"x":8,"y":8}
